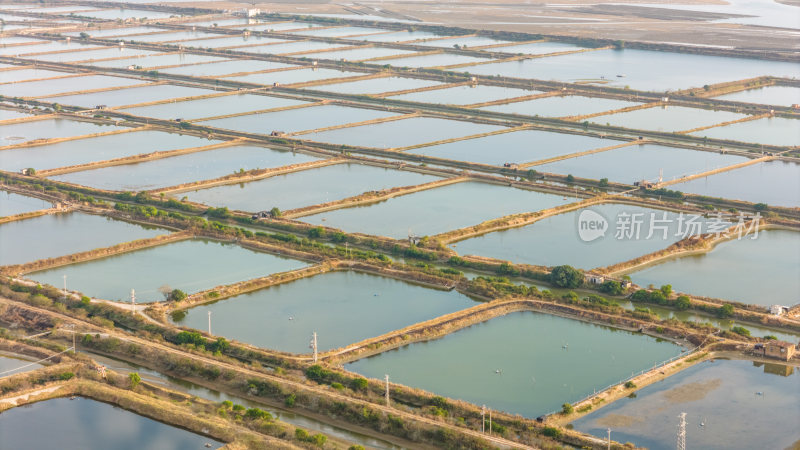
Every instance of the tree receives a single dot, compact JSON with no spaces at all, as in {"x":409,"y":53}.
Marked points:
{"x":165,"y":290}
{"x":30,"y":171}
{"x":725,"y":311}
{"x":612,"y":287}
{"x":135,"y":379}
{"x":666,"y":290}
{"x":683,"y":303}
{"x":316,"y":232}
{"x":761,"y":207}
{"x":290,"y":400}
{"x":359,"y":384}
{"x":275,"y":212}
{"x":177,"y":295}
{"x":567,"y":409}
{"x":566,"y":276}
{"x":570,"y":178}
{"x":603,"y":182}
{"x":741,"y":331}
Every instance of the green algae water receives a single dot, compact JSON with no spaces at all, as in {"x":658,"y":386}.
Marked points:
{"x":523,"y":363}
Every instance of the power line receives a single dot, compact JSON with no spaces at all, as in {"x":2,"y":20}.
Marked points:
{"x":35,"y":362}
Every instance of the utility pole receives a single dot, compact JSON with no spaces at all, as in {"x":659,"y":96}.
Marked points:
{"x":65,"y":288}
{"x":387,"y":389}
{"x":209,"y":323}
{"x":609,"y":438}
{"x":483,"y":419}
{"x":490,"y":421}
{"x":682,"y":432}
{"x":314,"y":345}
{"x":133,"y":301}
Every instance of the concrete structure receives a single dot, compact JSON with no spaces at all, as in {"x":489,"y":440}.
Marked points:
{"x":777,"y":349}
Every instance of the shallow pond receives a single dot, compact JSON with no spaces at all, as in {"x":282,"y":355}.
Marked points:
{"x":111,"y":427}
{"x":62,"y":234}
{"x":728,"y":404}
{"x":333,"y":305}
{"x":465,"y":95}
{"x":436,"y":210}
{"x":209,"y":107}
{"x":667,"y":118}
{"x":18,"y":133}
{"x":570,"y":105}
{"x":130,"y":96}
{"x":190,"y":265}
{"x":307,"y":187}
{"x":769,"y":95}
{"x":769,"y":131}
{"x":543,"y":362}
{"x":376,"y":85}
{"x":11,"y":204}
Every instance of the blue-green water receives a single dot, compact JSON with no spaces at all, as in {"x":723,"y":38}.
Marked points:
{"x":11,"y":203}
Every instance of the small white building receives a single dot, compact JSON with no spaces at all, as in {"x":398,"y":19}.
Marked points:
{"x":594,"y":279}
{"x":778,"y":310}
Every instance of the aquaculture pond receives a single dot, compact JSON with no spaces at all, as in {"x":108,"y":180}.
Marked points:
{"x":438,"y":59}
{"x":90,"y":56}
{"x":18,"y":75}
{"x":376,"y":85}
{"x":537,"y":48}
{"x":13,"y":364}
{"x":641,"y":162}
{"x":667,"y":118}
{"x":183,"y":169}
{"x":398,"y":36}
{"x":639,"y":69}
{"x":62,"y":234}
{"x":101,"y":148}
{"x":769,"y":131}
{"x":308,"y":187}
{"x":768,"y":95}
{"x":359,"y":54}
{"x":775,"y":183}
{"x":225,"y":68}
{"x":211,"y":107}
{"x":7,"y":114}
{"x":298,"y":119}
{"x":11,"y":204}
{"x":291,"y":47}
{"x":111,"y":427}
{"x":295,"y":76}
{"x":130,"y":96}
{"x":338,"y":31}
{"x":731,"y":269}
{"x":561,"y":106}
{"x":17,"y":133}
{"x":525,"y":362}
{"x":191,"y":265}
{"x":401,"y":133}
{"x":333,"y":305}
{"x":466,"y":41}
{"x":465,"y":95}
{"x":71,"y":84}
{"x":436,"y":210}
{"x":516,"y":147}
{"x":555,"y":240}
{"x":156,"y":61}
{"x":728,"y":404}
{"x":284,"y":415}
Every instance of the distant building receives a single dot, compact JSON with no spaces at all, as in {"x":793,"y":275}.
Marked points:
{"x":625,"y":284}
{"x":594,"y":279}
{"x":777,"y":349}
{"x":778,"y":310}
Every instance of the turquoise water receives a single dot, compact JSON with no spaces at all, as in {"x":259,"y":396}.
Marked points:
{"x":570,"y":105}
{"x":52,"y":87}
{"x":554,"y":240}
{"x":667,"y":118}
{"x":537,"y":374}
{"x":465,"y":95}
{"x":400,"y":133}
{"x":101,"y":148}
{"x":130,"y":96}
{"x":516,"y":147}
{"x":18,"y":133}
{"x":770,"y":95}
{"x":308,"y":187}
{"x":183,"y":169}
{"x":298,"y":119}
{"x":11,"y":204}
{"x":62,"y":234}
{"x":769,"y":130}
{"x":111,"y":427}
{"x":728,"y":404}
{"x":775,"y":183}
{"x":376,"y":85}
{"x":643,"y":69}
{"x":190,"y":265}
{"x":641,"y":162}
{"x":436,"y":210}
{"x":729,"y":269}
{"x":208,"y":107}
{"x":333,"y":304}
